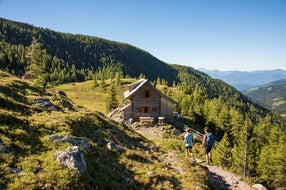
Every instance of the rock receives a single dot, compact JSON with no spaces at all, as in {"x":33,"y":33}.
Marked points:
{"x":78,"y":141}
{"x":113,"y":146}
{"x":232,"y":181}
{"x":259,"y":187}
{"x":44,"y":102}
{"x":55,"y":137}
{"x":72,"y":158}
{"x":66,"y":104}
{"x":16,"y":171}
{"x":61,"y":93}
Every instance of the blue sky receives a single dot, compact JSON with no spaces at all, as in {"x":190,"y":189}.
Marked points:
{"x":241,"y":35}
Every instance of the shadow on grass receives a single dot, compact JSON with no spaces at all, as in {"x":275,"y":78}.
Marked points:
{"x":139,"y":158}
{"x":22,"y":141}
{"x":108,"y":169}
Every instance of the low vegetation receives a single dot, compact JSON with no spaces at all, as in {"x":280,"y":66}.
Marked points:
{"x":27,"y":155}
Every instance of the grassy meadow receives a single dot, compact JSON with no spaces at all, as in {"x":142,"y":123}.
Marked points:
{"x":27,"y":158}
{"x":90,"y":96}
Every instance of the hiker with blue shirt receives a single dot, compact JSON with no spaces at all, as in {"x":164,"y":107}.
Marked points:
{"x":208,"y":143}
{"x":188,"y":142}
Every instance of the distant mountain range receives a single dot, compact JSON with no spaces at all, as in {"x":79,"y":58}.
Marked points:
{"x":243,"y":80}
{"x":271,"y":96}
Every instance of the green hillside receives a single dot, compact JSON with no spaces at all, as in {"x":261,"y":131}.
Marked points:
{"x":78,"y":55}
{"x":27,"y":153}
{"x":271,"y":96}
{"x":84,"y":66}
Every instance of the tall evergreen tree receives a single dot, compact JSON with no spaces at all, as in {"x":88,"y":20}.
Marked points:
{"x":38,"y":60}
{"x":223,"y":152}
{"x":112,"y":102}
{"x":241,"y":149}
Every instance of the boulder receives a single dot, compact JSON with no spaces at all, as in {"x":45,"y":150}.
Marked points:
{"x":45,"y":103}
{"x":66,"y":104}
{"x":258,"y":187}
{"x":77,"y":141}
{"x":72,"y":158}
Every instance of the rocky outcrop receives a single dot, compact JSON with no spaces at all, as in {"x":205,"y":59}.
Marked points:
{"x":81,"y":142}
{"x":72,"y":158}
{"x":45,"y":103}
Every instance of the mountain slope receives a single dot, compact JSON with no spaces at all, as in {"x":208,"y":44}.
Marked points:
{"x":33,"y":135}
{"x":271,"y":95}
{"x":243,"y":80}
{"x":84,"y":52}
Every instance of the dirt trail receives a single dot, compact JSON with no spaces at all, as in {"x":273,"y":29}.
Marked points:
{"x":221,"y":179}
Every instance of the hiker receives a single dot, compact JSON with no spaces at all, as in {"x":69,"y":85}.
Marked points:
{"x":208,"y":143}
{"x":188,"y":142}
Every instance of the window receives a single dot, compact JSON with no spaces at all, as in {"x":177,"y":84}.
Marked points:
{"x":145,"y":109}
{"x":146,"y":93}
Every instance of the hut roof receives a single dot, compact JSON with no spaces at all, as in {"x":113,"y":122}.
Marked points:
{"x":137,"y":85}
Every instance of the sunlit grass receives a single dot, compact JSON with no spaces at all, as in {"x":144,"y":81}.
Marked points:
{"x":91,"y":97}
{"x":26,"y":145}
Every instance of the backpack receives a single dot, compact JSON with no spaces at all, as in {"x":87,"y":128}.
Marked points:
{"x":210,"y":139}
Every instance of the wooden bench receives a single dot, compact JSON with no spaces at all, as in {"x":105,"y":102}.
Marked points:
{"x":146,"y":119}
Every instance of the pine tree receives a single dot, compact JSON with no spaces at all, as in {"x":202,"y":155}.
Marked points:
{"x":39,"y":61}
{"x":35,"y":57}
{"x":241,"y":150}
{"x":112,"y":102}
{"x":223,"y":152}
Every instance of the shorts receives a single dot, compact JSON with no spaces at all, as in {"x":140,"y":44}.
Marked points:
{"x":189,"y":147}
{"x":208,"y":148}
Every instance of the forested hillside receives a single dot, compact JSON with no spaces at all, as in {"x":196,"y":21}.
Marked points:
{"x":271,"y":95}
{"x":71,"y":57}
{"x":253,"y":139}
